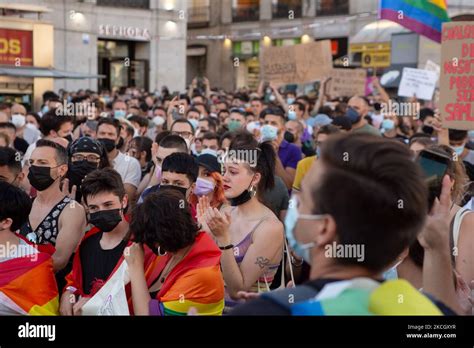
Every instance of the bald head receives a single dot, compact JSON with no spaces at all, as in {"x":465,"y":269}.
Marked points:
{"x":18,"y":109}
{"x":360,"y":105}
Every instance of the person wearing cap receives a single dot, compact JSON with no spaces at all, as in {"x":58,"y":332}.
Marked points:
{"x":209,"y":182}
{"x":85,"y":155}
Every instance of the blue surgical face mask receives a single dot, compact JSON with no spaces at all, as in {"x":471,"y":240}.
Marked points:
{"x":269,"y":132}
{"x":392,"y":272}
{"x":292,"y":115}
{"x":353,"y":115}
{"x":290,"y":101}
{"x":458,"y":149}
{"x":470,"y":134}
{"x":292,"y":217}
{"x":194,"y":123}
{"x":45,"y":109}
{"x":388,"y":125}
{"x":209,"y":152}
{"x":318,"y":152}
{"x":119,"y":114}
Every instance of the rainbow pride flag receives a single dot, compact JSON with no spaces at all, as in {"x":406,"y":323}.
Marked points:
{"x":195,"y":282}
{"x":424,"y":17}
{"x":28,"y":286}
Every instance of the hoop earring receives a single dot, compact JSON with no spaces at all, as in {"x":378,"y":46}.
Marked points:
{"x":252,"y":191}
{"x":159,"y":252}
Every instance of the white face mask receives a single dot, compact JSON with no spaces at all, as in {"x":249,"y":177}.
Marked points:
{"x":188,"y":143}
{"x":18,"y":120}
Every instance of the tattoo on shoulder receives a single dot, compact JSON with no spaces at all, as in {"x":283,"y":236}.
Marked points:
{"x":262,"y":262}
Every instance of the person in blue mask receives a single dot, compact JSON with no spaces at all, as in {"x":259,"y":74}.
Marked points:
{"x":390,"y":128}
{"x":119,"y":109}
{"x":458,"y":140}
{"x":372,"y":173}
{"x":357,"y":110}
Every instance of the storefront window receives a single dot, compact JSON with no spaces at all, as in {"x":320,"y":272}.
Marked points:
{"x":144,"y":4}
{"x":245,"y":10}
{"x":332,"y":7}
{"x":286,"y":9}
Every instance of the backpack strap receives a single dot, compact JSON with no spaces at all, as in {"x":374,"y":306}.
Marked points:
{"x":288,"y":297}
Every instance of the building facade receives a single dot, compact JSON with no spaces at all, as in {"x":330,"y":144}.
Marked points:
{"x":132,"y":42}
{"x":225,"y":37}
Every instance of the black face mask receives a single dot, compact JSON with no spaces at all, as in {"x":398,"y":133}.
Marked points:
{"x":109,"y":144}
{"x":106,"y":220}
{"x":68,"y":138}
{"x":40,"y":177}
{"x":289,"y":137}
{"x":183,"y":190}
{"x":78,"y":171}
{"x":427,"y":130}
{"x":244,"y":197}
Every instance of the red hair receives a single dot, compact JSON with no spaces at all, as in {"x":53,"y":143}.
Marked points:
{"x":218,"y":196}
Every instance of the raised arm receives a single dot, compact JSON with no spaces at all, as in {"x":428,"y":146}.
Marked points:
{"x":72,"y":226}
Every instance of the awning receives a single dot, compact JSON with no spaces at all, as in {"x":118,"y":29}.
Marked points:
{"x":45,"y":73}
{"x":378,"y":31}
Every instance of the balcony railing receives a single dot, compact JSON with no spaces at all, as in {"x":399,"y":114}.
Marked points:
{"x":198,"y":16}
{"x":332,"y":7}
{"x":283,"y":11}
{"x":143,"y":4}
{"x":245,"y":14}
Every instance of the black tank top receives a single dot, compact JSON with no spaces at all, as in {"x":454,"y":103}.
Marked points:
{"x":47,"y":230}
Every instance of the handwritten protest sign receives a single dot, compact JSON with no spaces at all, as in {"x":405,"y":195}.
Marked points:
{"x":457,"y":75}
{"x":417,"y":82}
{"x":348,"y":82}
{"x":297,"y":64}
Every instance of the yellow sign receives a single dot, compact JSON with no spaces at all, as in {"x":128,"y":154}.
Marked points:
{"x":369,"y":47}
{"x":375,"y":59}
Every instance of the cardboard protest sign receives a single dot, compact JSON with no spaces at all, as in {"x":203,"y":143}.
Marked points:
{"x":297,"y":64}
{"x":456,"y":102}
{"x":417,"y":82}
{"x":347,"y":82}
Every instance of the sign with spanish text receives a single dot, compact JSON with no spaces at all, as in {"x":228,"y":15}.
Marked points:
{"x":417,"y":83}
{"x":297,"y":64}
{"x":16,"y":47}
{"x":456,"y":103}
{"x":348,"y":82}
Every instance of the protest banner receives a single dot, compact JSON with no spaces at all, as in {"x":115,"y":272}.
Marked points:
{"x":456,"y":102}
{"x":297,"y":64}
{"x":417,"y":82}
{"x":347,"y":82}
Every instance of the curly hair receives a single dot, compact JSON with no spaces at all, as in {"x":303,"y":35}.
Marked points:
{"x":164,"y":218}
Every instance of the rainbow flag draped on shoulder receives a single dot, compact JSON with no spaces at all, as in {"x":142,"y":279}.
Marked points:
{"x":28,"y":286}
{"x":194,"y":282}
{"x":424,"y":17}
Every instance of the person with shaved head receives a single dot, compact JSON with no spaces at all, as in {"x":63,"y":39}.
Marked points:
{"x":357,"y":109}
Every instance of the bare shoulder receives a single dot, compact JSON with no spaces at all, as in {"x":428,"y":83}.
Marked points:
{"x":73,"y":210}
{"x":271,"y":227}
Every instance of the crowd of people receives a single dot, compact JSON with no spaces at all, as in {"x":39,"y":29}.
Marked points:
{"x":230,"y":203}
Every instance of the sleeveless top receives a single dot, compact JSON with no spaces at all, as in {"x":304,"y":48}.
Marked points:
{"x":47,"y":230}
{"x":264,"y":281}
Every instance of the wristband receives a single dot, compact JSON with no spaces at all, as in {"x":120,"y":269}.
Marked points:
{"x":227,"y":247}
